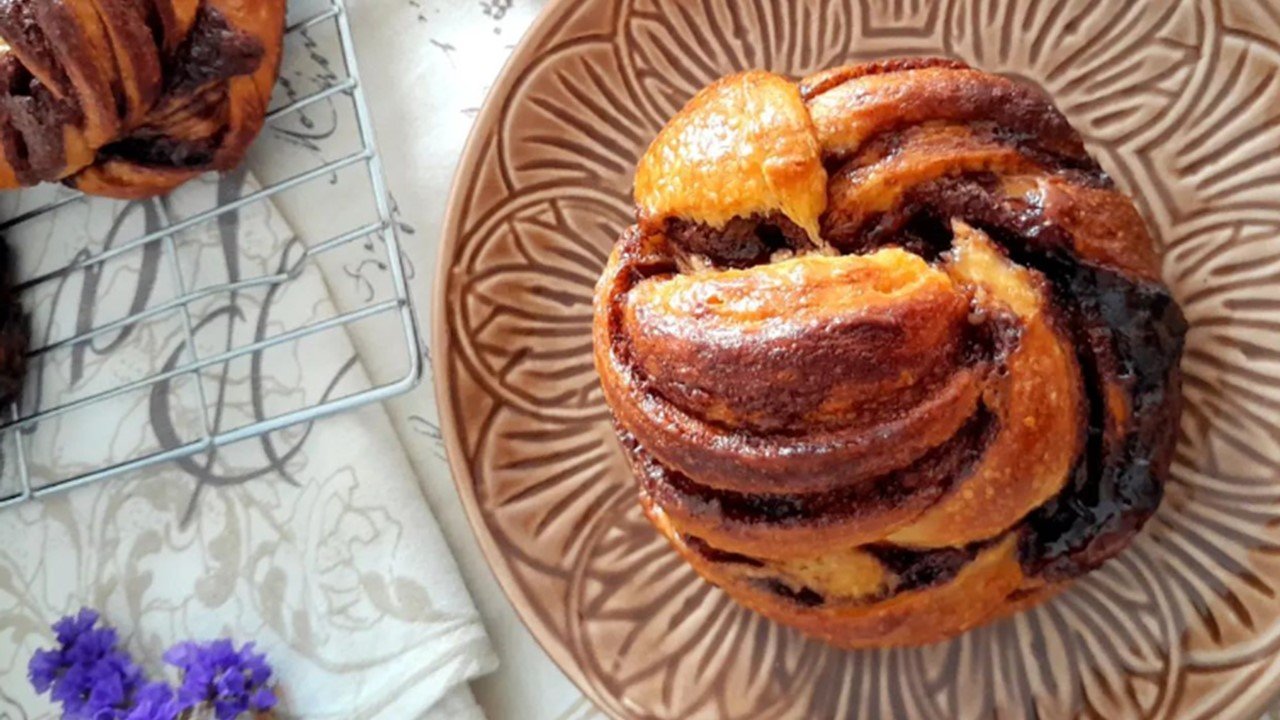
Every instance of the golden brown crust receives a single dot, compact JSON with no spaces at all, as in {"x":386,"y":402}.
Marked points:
{"x":954,"y":395}
{"x":850,"y":113}
{"x":828,"y":359}
{"x":744,"y":145}
{"x":881,"y":177}
{"x":131,"y":99}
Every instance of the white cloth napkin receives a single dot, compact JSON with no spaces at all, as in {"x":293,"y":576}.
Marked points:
{"x":317,"y":545}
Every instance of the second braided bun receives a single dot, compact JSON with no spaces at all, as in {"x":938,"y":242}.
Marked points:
{"x":131,"y":98}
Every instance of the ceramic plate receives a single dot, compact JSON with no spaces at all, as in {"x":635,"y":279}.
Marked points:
{"x":1179,"y":100}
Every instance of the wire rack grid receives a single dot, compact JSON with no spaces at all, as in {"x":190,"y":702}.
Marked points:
{"x":22,"y":421}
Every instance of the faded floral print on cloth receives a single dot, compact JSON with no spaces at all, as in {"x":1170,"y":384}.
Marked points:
{"x":314,"y":542}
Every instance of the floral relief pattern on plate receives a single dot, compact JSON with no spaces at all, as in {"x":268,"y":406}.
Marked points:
{"x":1179,"y":101}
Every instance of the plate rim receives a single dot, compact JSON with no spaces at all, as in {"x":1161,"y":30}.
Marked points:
{"x":463,"y":482}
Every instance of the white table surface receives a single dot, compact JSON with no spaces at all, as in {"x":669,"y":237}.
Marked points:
{"x":471,"y":40}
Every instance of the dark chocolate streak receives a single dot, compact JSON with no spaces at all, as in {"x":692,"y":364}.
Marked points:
{"x":918,"y":569}
{"x":932,"y":475}
{"x":214,"y":51}
{"x":32,"y":115}
{"x":742,"y":242}
{"x":912,"y":569}
{"x":1124,"y":329}
{"x":808,"y":597}
{"x":716,"y":555}
{"x":162,"y":151}
{"x":165,"y":29}
{"x":921,"y":221}
{"x":1016,"y":113}
{"x":1111,"y":494}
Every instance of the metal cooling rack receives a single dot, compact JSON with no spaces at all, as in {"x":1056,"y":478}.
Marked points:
{"x":380,"y":232}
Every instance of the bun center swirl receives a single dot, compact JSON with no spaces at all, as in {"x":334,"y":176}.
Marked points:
{"x":885,"y":330}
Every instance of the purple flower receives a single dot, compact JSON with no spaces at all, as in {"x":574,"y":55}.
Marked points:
{"x":87,"y":674}
{"x":233,"y":681}
{"x":93,"y":679}
{"x":154,"y":701}
{"x":44,"y":668}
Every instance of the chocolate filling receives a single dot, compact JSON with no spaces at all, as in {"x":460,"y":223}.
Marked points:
{"x":1018,"y":114}
{"x":912,"y":569}
{"x":1112,"y":491}
{"x":931,"y":477}
{"x":33,"y":115}
{"x":1127,"y":330}
{"x":163,"y":23}
{"x":918,"y":569}
{"x":807,"y":597}
{"x":163,"y":151}
{"x":214,"y":51}
{"x":716,"y":555}
{"x":20,"y":26}
{"x":742,"y":242}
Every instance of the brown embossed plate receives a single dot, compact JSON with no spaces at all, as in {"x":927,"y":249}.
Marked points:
{"x":1180,"y":100}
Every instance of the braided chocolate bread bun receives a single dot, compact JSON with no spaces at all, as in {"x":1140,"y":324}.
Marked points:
{"x":887,"y":350}
{"x":131,"y":98}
